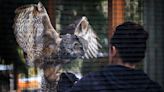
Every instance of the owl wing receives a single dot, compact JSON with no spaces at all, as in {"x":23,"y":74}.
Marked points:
{"x":88,"y":38}
{"x":32,"y":35}
{"x":24,"y":31}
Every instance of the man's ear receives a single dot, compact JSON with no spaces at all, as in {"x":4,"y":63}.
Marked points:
{"x":113,"y":51}
{"x":112,"y":54}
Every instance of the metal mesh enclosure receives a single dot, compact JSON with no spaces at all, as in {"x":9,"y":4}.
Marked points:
{"x":103,"y":16}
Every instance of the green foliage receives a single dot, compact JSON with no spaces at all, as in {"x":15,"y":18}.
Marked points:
{"x":73,"y":66}
{"x":134,"y":11}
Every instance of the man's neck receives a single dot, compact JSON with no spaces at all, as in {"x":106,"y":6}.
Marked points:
{"x":120,"y":62}
{"x":132,"y":66}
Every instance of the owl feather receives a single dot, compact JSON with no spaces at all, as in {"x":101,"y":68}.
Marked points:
{"x":90,"y":44}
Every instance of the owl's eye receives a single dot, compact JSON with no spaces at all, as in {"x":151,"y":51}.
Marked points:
{"x":77,"y":46}
{"x":64,"y":40}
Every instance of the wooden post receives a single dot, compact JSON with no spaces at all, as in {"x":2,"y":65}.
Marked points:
{"x":51,"y":11}
{"x":116,"y":14}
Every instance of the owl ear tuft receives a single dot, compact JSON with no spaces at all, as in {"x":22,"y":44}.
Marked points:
{"x":40,"y":6}
{"x":84,"y":23}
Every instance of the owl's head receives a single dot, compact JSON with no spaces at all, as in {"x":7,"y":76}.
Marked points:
{"x":78,"y":40}
{"x":71,"y":47}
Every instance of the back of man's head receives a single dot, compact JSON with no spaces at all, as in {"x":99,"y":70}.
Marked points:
{"x":130,"y":41}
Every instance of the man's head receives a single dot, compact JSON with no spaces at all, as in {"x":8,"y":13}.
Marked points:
{"x":129,"y":43}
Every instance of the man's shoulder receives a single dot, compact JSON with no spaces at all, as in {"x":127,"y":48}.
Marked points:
{"x":89,"y":82}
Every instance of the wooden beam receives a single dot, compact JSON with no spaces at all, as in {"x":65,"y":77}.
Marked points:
{"x":51,"y":11}
{"x":116,"y":9}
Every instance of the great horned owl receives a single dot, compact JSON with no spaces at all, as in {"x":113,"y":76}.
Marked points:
{"x":45,"y":47}
{"x":40,"y":41}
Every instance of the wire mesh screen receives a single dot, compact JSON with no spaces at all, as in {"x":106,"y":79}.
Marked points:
{"x":103,"y":16}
